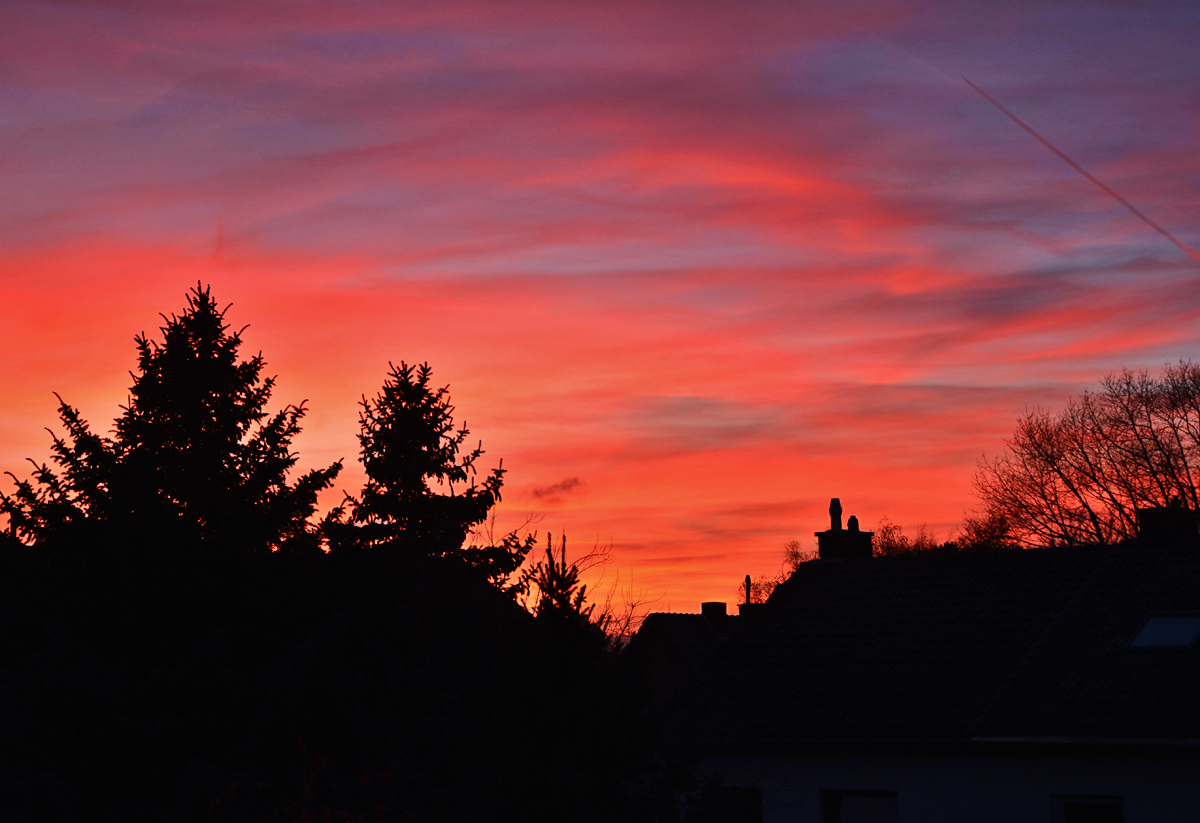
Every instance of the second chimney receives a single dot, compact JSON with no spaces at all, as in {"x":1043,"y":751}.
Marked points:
{"x":838,"y":543}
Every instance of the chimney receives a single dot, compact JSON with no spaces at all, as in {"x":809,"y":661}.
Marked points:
{"x":848,"y":544}
{"x":716,"y":616}
{"x":746,"y":609}
{"x":1172,"y":524}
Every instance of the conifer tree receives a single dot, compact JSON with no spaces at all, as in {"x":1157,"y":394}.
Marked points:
{"x":561,"y":603}
{"x":195,"y":457}
{"x":409,"y":441}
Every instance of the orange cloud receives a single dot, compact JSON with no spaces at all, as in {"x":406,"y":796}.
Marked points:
{"x":724,"y":262}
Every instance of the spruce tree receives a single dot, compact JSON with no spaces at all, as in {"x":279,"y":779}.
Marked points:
{"x":422,"y":495}
{"x":195,"y":458}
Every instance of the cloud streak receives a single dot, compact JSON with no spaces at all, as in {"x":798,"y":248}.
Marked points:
{"x":1136,"y":213}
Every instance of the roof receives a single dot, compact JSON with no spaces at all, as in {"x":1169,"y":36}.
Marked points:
{"x":674,"y":648}
{"x":959,"y":647}
{"x":690,"y":637}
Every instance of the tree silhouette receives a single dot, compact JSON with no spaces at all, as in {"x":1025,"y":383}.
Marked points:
{"x":409,"y":441}
{"x":1080,"y":476}
{"x":561,"y":594}
{"x":987,"y":532}
{"x":561,"y":603}
{"x":890,"y":539}
{"x":159,"y":686}
{"x":195,"y":457}
{"x":764,"y":585}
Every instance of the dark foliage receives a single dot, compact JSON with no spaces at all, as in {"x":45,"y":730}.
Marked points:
{"x":259,"y":678}
{"x":195,"y":458}
{"x":561,"y":605}
{"x":269,"y":687}
{"x":409,"y":441}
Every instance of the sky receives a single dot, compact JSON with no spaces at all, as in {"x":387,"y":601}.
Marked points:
{"x":690,"y":269}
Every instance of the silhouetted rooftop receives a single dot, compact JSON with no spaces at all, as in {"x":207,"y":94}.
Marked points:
{"x":688,"y":635}
{"x":675,"y":647}
{"x":962,"y":646}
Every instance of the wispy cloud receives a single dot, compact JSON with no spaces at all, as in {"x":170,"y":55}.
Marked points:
{"x":722,"y":261}
{"x":553,"y":494}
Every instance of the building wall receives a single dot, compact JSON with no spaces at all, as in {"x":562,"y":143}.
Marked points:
{"x":993,"y":785}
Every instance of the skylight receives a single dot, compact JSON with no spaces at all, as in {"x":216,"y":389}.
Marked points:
{"x":1168,"y":631}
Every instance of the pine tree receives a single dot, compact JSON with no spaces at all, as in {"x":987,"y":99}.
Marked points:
{"x":408,"y":441}
{"x":195,"y":457}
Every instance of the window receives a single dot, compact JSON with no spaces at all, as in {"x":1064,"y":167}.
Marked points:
{"x":1091,"y":809}
{"x":736,"y":804}
{"x":859,"y":806}
{"x":1168,"y":631}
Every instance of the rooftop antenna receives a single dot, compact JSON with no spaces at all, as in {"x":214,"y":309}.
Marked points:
{"x":1081,"y":170}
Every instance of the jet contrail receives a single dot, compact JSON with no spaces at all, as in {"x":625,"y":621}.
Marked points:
{"x":1081,"y":170}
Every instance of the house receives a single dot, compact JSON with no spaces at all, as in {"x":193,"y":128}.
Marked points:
{"x":1043,"y":685}
{"x":673,"y":648}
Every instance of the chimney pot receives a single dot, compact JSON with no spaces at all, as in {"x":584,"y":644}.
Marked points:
{"x":716,"y":616}
{"x":835,"y":515}
{"x":1172,"y":523}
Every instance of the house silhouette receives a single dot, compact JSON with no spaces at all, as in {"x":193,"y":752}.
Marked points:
{"x":1054,"y":684}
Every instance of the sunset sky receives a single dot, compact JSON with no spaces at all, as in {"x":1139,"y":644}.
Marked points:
{"x":690,"y":269}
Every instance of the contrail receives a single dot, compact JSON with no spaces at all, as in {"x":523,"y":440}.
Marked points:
{"x":1081,"y":170}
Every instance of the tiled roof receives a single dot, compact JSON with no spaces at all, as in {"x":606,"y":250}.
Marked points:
{"x":961,"y":646}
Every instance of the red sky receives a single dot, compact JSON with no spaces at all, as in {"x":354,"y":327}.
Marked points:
{"x":691,"y":269}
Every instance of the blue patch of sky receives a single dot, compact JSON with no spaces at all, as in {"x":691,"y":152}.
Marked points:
{"x":1080,"y":74}
{"x":1046,"y":74}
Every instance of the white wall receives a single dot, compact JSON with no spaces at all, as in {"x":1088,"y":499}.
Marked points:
{"x":984,"y":786}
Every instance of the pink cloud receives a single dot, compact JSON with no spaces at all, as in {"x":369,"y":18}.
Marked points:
{"x":722,"y":261}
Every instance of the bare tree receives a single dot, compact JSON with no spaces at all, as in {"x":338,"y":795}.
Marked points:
{"x":987,"y":532}
{"x":890,"y":539}
{"x":1079,"y":476}
{"x":793,"y":555}
{"x":622,"y":620}
{"x":764,"y":585}
{"x":761,"y":588}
